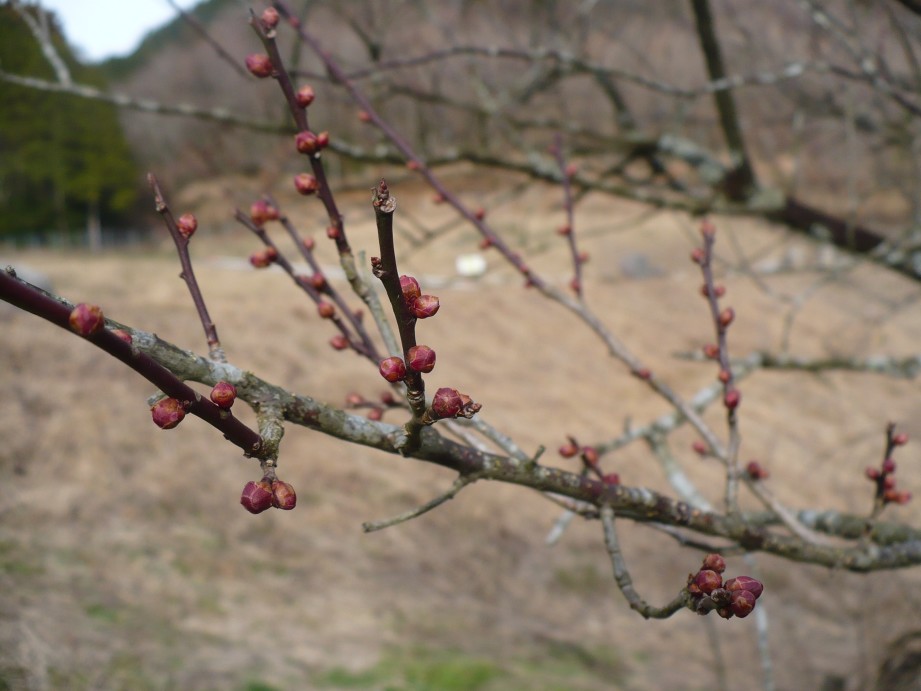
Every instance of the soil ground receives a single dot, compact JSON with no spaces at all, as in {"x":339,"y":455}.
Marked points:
{"x":126,"y":561}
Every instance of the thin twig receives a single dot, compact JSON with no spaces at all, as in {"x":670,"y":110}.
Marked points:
{"x":458,"y":485}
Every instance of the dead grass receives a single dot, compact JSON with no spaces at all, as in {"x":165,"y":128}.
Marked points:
{"x":125,"y":561}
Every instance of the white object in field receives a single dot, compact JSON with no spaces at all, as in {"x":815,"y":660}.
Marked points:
{"x":470,"y":265}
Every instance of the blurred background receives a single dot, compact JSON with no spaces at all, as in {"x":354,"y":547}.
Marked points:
{"x":125,"y":560}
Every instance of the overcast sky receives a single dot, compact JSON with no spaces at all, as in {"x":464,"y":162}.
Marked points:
{"x":101,"y":29}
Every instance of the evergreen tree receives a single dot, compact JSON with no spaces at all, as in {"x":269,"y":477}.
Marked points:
{"x":64,"y":160}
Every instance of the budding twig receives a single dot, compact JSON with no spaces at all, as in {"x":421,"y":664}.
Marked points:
{"x":181,"y":240}
{"x":459,"y":484}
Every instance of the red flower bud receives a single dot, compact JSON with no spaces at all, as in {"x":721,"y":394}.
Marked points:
{"x":698,"y":256}
{"x":410,"y":288}
{"x":756,"y":471}
{"x":270,"y":17}
{"x":305,"y":183}
{"x":642,"y":373}
{"x":413,"y":164}
{"x":323,"y":139}
{"x":339,"y":342}
{"x":726,"y":317}
{"x":446,"y":403}
{"x":318,"y":281}
{"x":257,"y":496}
{"x":187,"y":224}
{"x":364,"y":116}
{"x":167,"y":413}
{"x":590,"y":455}
{"x":732,"y":398}
{"x":86,"y":319}
{"x":900,"y":440}
{"x":707,"y":229}
{"x":611,"y":479}
{"x":263,"y":257}
{"x":304,"y":96}
{"x":332,"y":232}
{"x":425,"y":306}
{"x":889,"y":482}
{"x":393,"y":369}
{"x":564,"y":230}
{"x":308,"y":243}
{"x":753,"y":585}
{"x":479,"y":214}
{"x":724,"y":376}
{"x":568,"y":450}
{"x":708,"y":580}
{"x":485,"y":243}
{"x":223,"y":395}
{"x":584,"y":257}
{"x":353,"y":398}
{"x":872,"y":473}
{"x":711,"y":351}
{"x":261,"y":211}
{"x":260,"y":65}
{"x":283,"y":496}
{"x":306,"y":142}
{"x":326,"y":310}
{"x":888,"y":466}
{"x":571,"y":169}
{"x":421,"y":358}
{"x":375,"y":414}
{"x":700,"y":448}
{"x":742,"y":602}
{"x":714,"y":562}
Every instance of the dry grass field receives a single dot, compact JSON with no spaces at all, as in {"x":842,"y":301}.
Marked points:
{"x":126,"y":561}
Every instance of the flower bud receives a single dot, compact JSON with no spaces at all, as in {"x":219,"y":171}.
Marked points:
{"x":708,"y":580}
{"x":872,"y":473}
{"x":564,"y":230}
{"x":568,"y":450}
{"x":393,"y":369}
{"x":167,"y":413}
{"x":283,"y":496}
{"x":187,"y":224}
{"x":339,"y":342}
{"x":714,"y":562}
{"x":86,"y":319}
{"x":263,"y":257}
{"x":364,"y":116}
{"x":257,"y":496}
{"x":410,"y":288}
{"x":756,"y":471}
{"x":305,"y":183}
{"x":590,"y":455}
{"x":888,"y":466}
{"x":446,"y":403}
{"x":711,"y":351}
{"x":259,"y":64}
{"x":900,"y":439}
{"x":323,"y":139}
{"x":753,"y":585}
{"x":479,"y":214}
{"x":727,"y":316}
{"x":353,"y":399}
{"x":724,"y":376}
{"x":387,"y":398}
{"x":270,"y":17}
{"x":318,"y":281}
{"x":642,"y":373}
{"x":306,"y":142}
{"x":421,"y":358}
{"x":260,"y":211}
{"x":571,"y":169}
{"x":700,"y":448}
{"x":332,"y":232}
{"x":305,"y":96}
{"x":698,"y":256}
{"x":583,"y":257}
{"x":326,"y":310}
{"x":732,"y":398}
{"x":223,"y":395}
{"x":707,"y":229}
{"x":375,"y":414}
{"x":425,"y":306}
{"x":742,"y":602}
{"x":309,"y":243}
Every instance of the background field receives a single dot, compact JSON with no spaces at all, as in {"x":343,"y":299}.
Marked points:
{"x":127,"y":563}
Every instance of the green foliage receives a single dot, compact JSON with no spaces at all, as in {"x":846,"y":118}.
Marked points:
{"x":62,"y":156}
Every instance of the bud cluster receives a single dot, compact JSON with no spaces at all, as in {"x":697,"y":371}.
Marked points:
{"x":886,"y":490}
{"x":448,"y":403}
{"x":731,"y":597}
{"x":268,"y":493}
{"x":590,"y":457}
{"x":422,"y":306}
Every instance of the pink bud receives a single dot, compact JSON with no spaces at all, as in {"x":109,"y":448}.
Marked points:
{"x":410,"y":288}
{"x":323,"y":139}
{"x":305,"y":183}
{"x":707,"y":580}
{"x":339,"y":342}
{"x":726,"y":317}
{"x":187,"y":224}
{"x":711,"y":351}
{"x":756,"y":471}
{"x":318,"y":281}
{"x":257,"y":496}
{"x":375,"y":414}
{"x":421,"y":358}
{"x":888,"y":466}
{"x":167,"y":413}
{"x":700,"y":448}
{"x":86,"y":319}
{"x":308,"y":243}
{"x":697,"y":255}
{"x":425,"y":306}
{"x":590,"y":455}
{"x":306,"y":142}
{"x":446,"y":403}
{"x":332,"y":232}
{"x":714,"y":562}
{"x":611,"y":479}
{"x":732,"y":398}
{"x":263,"y":257}
{"x":326,"y":310}
{"x":707,"y":229}
{"x":568,"y":450}
{"x":260,"y":65}
{"x":742,"y":602}
{"x":304,"y":96}
{"x":283,"y":496}
{"x":872,"y":473}
{"x":642,"y":373}
{"x":260,"y":211}
{"x":900,"y":440}
{"x":753,"y":585}
{"x":364,"y":116}
{"x":393,"y":369}
{"x":480,"y":214}
{"x":270,"y":17}
{"x":223,"y":395}
{"x":564,"y":230}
